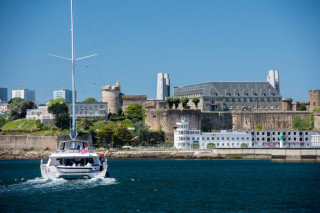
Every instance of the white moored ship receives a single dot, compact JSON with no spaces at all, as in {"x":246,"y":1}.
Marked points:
{"x":74,"y":159}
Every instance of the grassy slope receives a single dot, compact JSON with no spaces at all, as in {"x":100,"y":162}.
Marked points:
{"x":21,"y":124}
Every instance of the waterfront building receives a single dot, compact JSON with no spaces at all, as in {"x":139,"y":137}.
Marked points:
{"x":3,"y":94}
{"x":64,"y":93}
{"x":41,"y":114}
{"x":315,"y":140}
{"x":163,"y":86}
{"x":235,"y":96}
{"x":90,"y":110}
{"x":185,"y":138}
{"x":27,"y":94}
{"x":291,"y":139}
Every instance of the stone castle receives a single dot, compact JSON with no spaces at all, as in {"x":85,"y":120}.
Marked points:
{"x":220,"y":115}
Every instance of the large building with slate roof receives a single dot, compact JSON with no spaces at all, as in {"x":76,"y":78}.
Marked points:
{"x":235,"y":96}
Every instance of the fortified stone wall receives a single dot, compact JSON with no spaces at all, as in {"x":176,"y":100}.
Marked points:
{"x":216,"y":120}
{"x":317,"y":121}
{"x":167,"y":119}
{"x":269,"y":121}
{"x":131,"y":99}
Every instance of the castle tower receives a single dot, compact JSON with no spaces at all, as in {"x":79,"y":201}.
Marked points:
{"x":111,"y":95}
{"x":273,"y":79}
{"x":314,"y":99}
{"x":163,"y":86}
{"x":286,"y":104}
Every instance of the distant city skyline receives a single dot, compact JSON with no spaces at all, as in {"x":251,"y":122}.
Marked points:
{"x":192,"y":41}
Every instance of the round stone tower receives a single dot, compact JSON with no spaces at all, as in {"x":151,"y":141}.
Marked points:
{"x":286,"y":104}
{"x":111,"y":95}
{"x":314,"y":98}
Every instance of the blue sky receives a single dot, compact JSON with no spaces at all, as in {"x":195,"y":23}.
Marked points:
{"x":193,"y":41}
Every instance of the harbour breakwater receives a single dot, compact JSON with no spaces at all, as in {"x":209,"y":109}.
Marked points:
{"x":232,"y":153}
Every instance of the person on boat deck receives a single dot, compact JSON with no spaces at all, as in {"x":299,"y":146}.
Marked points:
{"x":74,"y":164}
{"x":100,"y":158}
{"x":89,"y":164}
{"x":78,"y":147}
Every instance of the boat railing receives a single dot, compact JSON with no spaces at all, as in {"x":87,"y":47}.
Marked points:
{"x":70,"y":151}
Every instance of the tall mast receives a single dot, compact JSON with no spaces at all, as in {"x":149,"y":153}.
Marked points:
{"x":73,"y":72}
{"x":73,"y":132}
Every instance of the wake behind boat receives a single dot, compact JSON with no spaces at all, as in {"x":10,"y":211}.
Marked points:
{"x":74,"y":159}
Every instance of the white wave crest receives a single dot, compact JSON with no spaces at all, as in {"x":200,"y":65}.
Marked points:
{"x":47,"y":185}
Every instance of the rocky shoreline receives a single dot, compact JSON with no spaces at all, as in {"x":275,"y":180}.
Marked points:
{"x":246,"y":153}
{"x":21,"y":154}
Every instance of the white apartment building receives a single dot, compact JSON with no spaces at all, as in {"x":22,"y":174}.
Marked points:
{"x":184,"y":138}
{"x":27,"y":94}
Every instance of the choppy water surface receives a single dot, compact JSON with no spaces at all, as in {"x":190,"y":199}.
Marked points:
{"x":141,"y":185}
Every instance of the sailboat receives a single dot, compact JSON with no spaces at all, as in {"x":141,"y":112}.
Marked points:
{"x":74,"y":159}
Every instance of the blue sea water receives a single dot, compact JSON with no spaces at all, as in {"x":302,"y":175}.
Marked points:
{"x":148,"y":185}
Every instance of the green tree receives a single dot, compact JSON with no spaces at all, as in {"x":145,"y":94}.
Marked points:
{"x":90,"y":100}
{"x":302,"y":107}
{"x":86,"y":123}
{"x":259,"y":127}
{"x":58,"y":108}
{"x":17,"y":108}
{"x":25,"y":107}
{"x":184,"y":102}
{"x":156,"y":137}
{"x":196,"y":101}
{"x":301,"y":124}
{"x":122,"y":136}
{"x":119,"y":111}
{"x":135,"y":112}
{"x":140,"y":130}
{"x":176,"y":102}
{"x":317,"y":109}
{"x":105,"y":136}
{"x":56,"y":101}
{"x":170,"y":101}
{"x":62,"y":121}
{"x":2,"y":121}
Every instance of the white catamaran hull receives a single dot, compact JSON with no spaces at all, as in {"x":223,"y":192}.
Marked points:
{"x":56,"y":172}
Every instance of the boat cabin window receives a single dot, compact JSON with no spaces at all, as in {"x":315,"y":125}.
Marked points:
{"x":76,"y":161}
{"x":70,"y":145}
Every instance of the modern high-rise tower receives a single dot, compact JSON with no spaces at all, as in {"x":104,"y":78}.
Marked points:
{"x":63,"y":93}
{"x":163,"y":86}
{"x":27,"y":94}
{"x":3,"y":94}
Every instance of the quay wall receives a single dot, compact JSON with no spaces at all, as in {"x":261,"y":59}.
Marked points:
{"x":27,"y":141}
{"x":38,"y":142}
